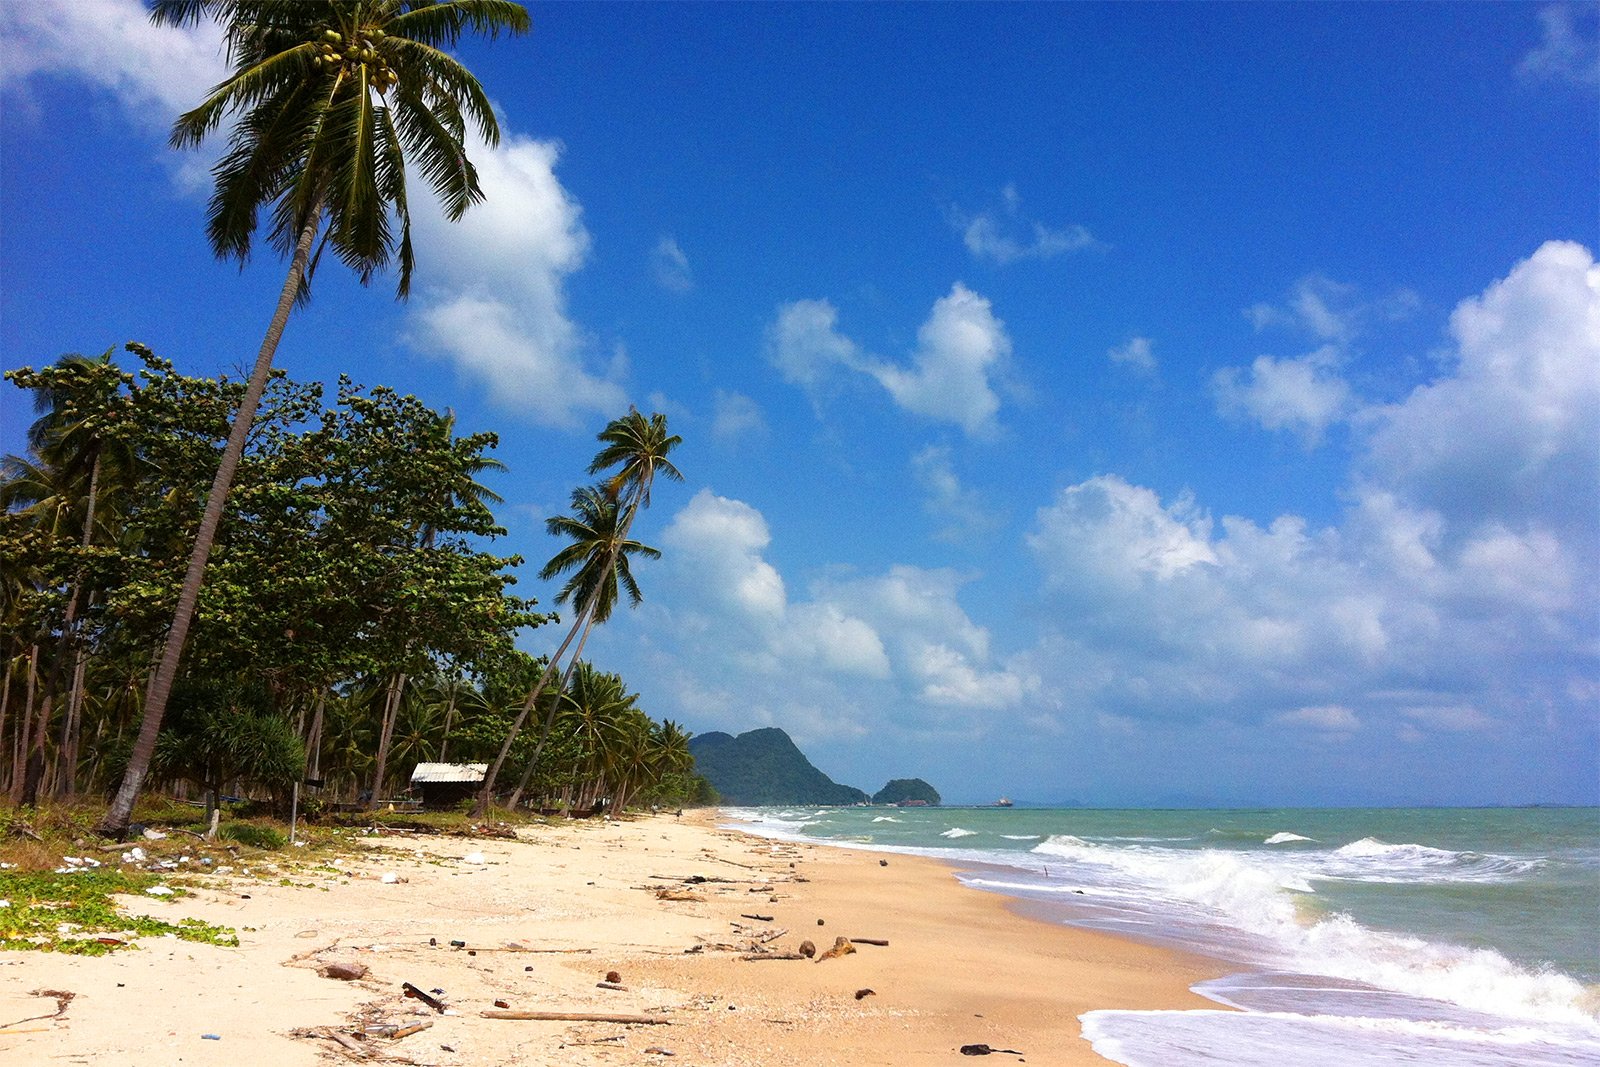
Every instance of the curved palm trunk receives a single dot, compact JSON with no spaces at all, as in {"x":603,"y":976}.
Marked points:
{"x":487,"y":793}
{"x":583,"y":622}
{"x":449,"y":714}
{"x":67,"y":786}
{"x":551,"y":715}
{"x":115,"y":823}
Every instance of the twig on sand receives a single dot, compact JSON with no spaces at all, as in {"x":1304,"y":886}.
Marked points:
{"x":576,"y":1017}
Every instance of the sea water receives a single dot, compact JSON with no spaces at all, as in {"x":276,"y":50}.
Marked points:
{"x":1439,"y":937}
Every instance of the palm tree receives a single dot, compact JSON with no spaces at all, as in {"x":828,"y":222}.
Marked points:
{"x":332,"y":98}
{"x":640,"y":448}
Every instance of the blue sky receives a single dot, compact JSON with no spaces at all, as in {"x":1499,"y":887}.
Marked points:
{"x":1121,"y":403}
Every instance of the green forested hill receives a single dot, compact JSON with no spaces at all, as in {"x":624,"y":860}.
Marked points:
{"x":764,"y":767}
{"x":903,"y":789}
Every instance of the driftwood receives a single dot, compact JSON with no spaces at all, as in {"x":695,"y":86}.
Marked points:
{"x":576,"y":1017}
{"x":611,"y":985}
{"x":757,"y":918}
{"x":756,"y":957}
{"x":869,"y":941}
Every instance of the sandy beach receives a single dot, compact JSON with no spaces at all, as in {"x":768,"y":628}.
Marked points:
{"x":673,"y":906}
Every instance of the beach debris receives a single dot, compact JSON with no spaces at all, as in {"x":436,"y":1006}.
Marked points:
{"x":154,"y":835}
{"x":343,"y":970}
{"x":880,"y":942}
{"x":757,"y":957}
{"x":391,"y":878}
{"x":577,"y":1017}
{"x":417,"y":994}
{"x":502,"y":1004}
{"x":985,"y":1050}
{"x":883,"y":863}
{"x":757,"y":918}
{"x":863,"y":993}
{"x":613,"y":976}
{"x":820,"y":923}
{"x":618,"y":986}
{"x":473,"y":857}
{"x":657,"y":1050}
{"x":458,"y":944}
{"x":211,"y":1037}
{"x":841,"y":947}
{"x":808,"y":949}
{"x":679,"y":895}
{"x":159,"y":891}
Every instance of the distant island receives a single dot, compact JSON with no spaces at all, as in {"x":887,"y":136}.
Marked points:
{"x":764,"y":767}
{"x":907,"y":791}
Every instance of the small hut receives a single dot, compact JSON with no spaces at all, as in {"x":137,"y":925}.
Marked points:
{"x":444,"y":785}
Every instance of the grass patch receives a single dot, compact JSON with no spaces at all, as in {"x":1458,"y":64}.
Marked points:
{"x":254,"y":835}
{"x":74,"y":913}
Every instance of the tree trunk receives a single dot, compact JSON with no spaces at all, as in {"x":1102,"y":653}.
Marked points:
{"x":449,"y":713}
{"x":25,"y":727}
{"x":314,"y":738}
{"x":391,"y":711}
{"x":67,"y":786}
{"x":115,"y":823}
{"x":5,"y":706}
{"x":33,"y":775}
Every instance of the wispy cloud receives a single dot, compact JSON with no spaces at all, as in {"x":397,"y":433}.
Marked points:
{"x":736,"y":418}
{"x":963,"y":515}
{"x":1569,"y":47}
{"x":671,"y":266}
{"x":1004,"y":235}
{"x":1138,"y":353}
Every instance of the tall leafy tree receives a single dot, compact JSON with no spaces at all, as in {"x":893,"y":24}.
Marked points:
{"x":332,"y":100}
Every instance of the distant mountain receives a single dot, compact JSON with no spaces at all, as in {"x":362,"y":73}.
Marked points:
{"x":900,"y":790}
{"x":764,"y":767}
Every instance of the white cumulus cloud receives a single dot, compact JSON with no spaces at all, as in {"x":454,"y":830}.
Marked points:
{"x":671,"y":266}
{"x":1569,"y":47}
{"x":960,"y":347}
{"x":1304,"y":395}
{"x":492,"y":288}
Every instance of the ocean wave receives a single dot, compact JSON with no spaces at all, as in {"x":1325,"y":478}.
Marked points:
{"x":1372,"y":860}
{"x":1285,"y":838}
{"x":885,"y":818}
{"x":1021,"y":837}
{"x":956,"y":831}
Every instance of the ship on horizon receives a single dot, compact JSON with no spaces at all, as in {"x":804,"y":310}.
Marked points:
{"x":1003,"y":802}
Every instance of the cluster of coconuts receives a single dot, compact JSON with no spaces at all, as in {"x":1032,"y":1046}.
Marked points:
{"x":332,"y":52}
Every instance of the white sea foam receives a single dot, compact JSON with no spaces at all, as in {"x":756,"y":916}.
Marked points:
{"x":1245,"y":891}
{"x":1249,"y":1039}
{"x":1284,"y":838}
{"x":956,"y":831}
{"x":885,"y":818}
{"x":1021,"y":837}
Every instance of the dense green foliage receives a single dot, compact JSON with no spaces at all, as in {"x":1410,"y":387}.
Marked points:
{"x":764,"y":767}
{"x":899,"y":790}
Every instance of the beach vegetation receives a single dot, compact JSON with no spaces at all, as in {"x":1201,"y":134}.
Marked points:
{"x":323,"y":140}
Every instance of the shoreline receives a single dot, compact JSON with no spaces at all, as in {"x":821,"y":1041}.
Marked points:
{"x":670,"y":905}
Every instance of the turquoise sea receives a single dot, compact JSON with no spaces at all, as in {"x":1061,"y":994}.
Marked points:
{"x":1438,"y":937}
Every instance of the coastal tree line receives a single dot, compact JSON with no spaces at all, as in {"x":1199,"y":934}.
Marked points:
{"x":353,"y":621}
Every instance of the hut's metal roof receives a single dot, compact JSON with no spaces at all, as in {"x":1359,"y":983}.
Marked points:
{"x":449,"y":772}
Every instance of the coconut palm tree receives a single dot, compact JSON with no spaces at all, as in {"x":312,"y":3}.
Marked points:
{"x":639,"y":447}
{"x":333,"y":99}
